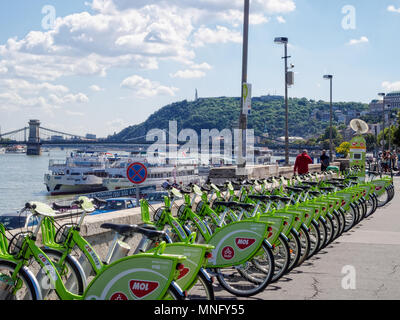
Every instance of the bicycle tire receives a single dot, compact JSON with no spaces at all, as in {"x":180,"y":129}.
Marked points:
{"x":315,"y":238}
{"x":350,"y":218}
{"x":295,"y":250}
{"x":370,"y":206}
{"x":336,"y":224}
{"x":281,"y":259}
{"x":305,"y":245}
{"x":342,"y":218}
{"x":202,"y":285}
{"x":323,"y":232}
{"x":74,"y":283}
{"x":5,"y":290}
{"x":242,"y":279}
{"x":383,"y":199}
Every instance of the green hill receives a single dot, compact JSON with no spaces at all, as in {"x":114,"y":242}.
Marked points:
{"x":223,"y":113}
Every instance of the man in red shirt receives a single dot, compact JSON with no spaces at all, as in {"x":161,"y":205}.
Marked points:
{"x":302,"y":162}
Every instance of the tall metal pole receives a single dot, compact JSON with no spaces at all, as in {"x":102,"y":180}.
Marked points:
{"x":331,"y":128}
{"x":286,"y":110}
{"x":383,"y":112}
{"x":243,"y":116}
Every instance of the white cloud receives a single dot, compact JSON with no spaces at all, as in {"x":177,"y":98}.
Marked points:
{"x":217,"y":36}
{"x":95,"y":88}
{"x":391,"y":86}
{"x":363,"y":39}
{"x":393,"y":9}
{"x":189,"y":74}
{"x":280,"y":19}
{"x":116,"y":125}
{"x":74,"y":113}
{"x":202,"y":66}
{"x":145,"y":88}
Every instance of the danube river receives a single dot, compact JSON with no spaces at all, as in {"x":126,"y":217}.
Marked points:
{"x":21,"y":178}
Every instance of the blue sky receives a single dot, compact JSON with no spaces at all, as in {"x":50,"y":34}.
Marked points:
{"x":107,"y":64}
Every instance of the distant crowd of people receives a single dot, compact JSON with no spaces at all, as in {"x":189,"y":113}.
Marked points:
{"x":387,"y":160}
{"x":303,"y":160}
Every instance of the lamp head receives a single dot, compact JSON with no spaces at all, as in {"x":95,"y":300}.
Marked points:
{"x":328,"y":76}
{"x":281,"y":40}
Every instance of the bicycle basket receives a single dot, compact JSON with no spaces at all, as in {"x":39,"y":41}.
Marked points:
{"x":16,"y":243}
{"x":62,"y":232}
{"x":181,"y":211}
{"x":199,"y":207}
{"x":158,"y":214}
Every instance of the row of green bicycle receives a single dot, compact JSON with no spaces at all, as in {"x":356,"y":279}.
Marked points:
{"x":246,"y":234}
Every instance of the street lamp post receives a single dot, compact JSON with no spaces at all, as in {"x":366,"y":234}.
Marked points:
{"x":330,"y":78}
{"x":383,"y":114}
{"x":284,"y":41}
{"x":243,"y":117}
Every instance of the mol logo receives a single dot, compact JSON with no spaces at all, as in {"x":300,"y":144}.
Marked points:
{"x":228,"y":253}
{"x":141,"y":289}
{"x":244,"y":243}
{"x":183,"y":273}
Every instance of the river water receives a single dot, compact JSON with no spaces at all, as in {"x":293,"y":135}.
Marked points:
{"x":21,"y":178}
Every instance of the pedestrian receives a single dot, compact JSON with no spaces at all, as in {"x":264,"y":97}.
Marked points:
{"x":394,"y":160}
{"x":302,"y":162}
{"x":325,"y":161}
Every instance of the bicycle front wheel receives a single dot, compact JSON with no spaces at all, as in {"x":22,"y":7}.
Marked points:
{"x":202,"y":290}
{"x":21,"y":289}
{"x":69,"y":273}
{"x":250,"y":278}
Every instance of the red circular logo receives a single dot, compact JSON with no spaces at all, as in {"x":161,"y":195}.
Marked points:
{"x":119,"y":296}
{"x":228,"y":253}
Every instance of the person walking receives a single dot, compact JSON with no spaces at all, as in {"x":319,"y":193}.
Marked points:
{"x":325,"y":161}
{"x":302,"y":162}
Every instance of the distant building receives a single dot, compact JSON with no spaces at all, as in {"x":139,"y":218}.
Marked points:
{"x":375,"y":129}
{"x":325,"y":116}
{"x":392,"y":100}
{"x":196,"y":96}
{"x":348,"y":134}
{"x":375,"y":106}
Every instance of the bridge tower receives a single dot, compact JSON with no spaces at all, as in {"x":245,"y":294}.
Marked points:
{"x":33,"y":145}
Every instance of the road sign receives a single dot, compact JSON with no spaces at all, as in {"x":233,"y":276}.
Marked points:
{"x":246,"y":98}
{"x":136,"y":173}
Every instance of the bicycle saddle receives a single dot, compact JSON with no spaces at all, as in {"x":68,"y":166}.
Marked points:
{"x":327,"y":188}
{"x":315,"y":193}
{"x":311,"y":183}
{"x":260,"y":197}
{"x":185,"y":190}
{"x":305,"y":188}
{"x":206,"y":188}
{"x":353,"y":178}
{"x":57,"y":206}
{"x":228,"y":204}
{"x":295,"y":190}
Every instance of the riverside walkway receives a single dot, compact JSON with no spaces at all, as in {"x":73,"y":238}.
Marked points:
{"x":363,"y":264}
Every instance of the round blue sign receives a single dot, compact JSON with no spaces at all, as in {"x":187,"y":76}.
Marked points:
{"x":136,"y":173}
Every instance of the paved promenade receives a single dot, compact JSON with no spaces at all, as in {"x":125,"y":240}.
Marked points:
{"x":362,"y":264}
